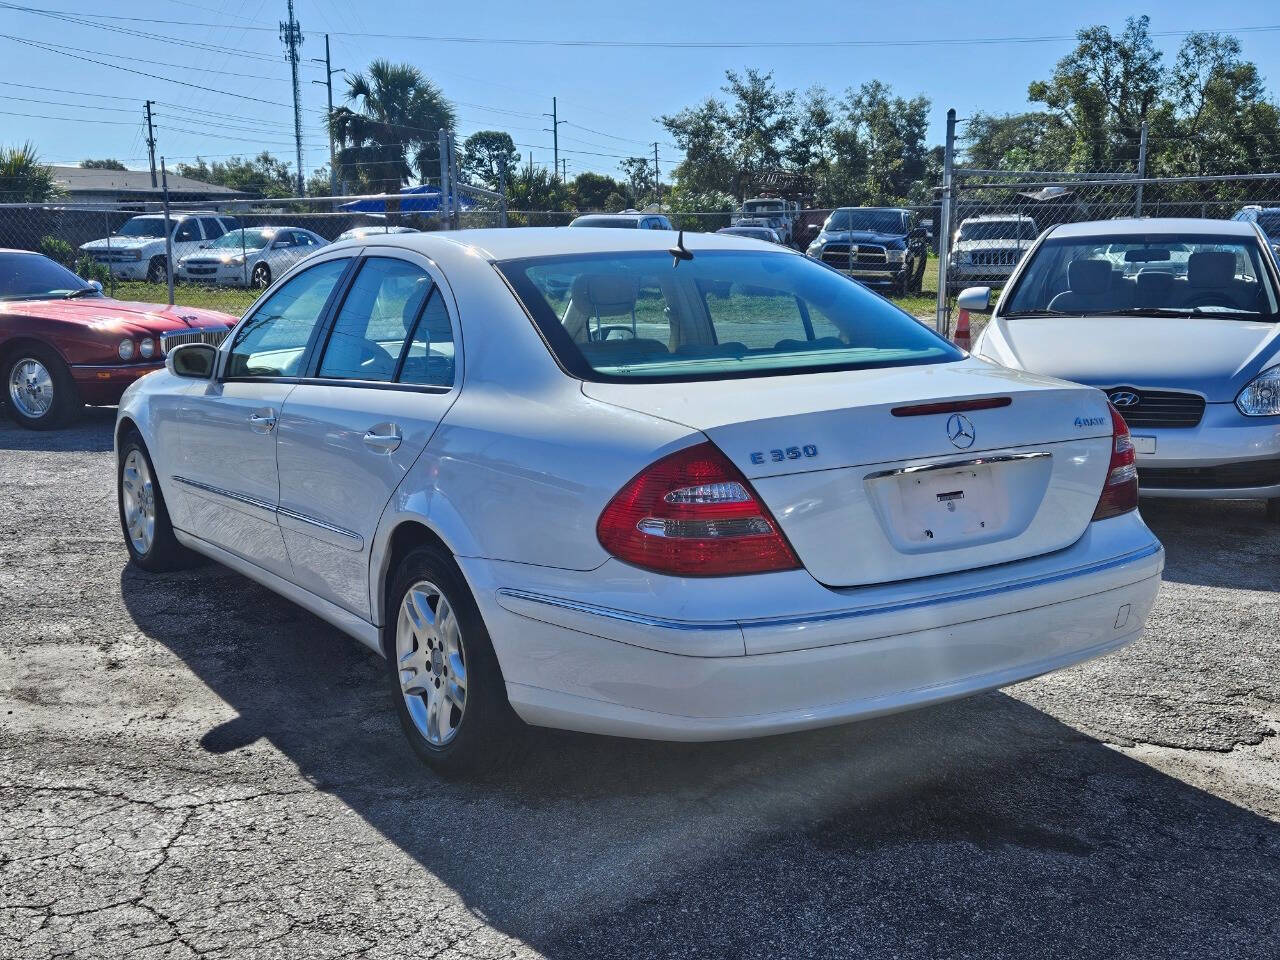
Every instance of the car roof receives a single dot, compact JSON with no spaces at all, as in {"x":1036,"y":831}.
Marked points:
{"x":987,"y":217}
{"x":1131,"y":226}
{"x":517,"y":242}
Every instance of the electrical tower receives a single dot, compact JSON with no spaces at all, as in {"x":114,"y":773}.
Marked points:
{"x":291,"y":37}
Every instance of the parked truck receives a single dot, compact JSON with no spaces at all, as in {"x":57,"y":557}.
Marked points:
{"x":780,"y":214}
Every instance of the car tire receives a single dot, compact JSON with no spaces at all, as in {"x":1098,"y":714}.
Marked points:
{"x":34,"y":374}
{"x":156,"y":270}
{"x":261,"y":277}
{"x":144,"y":515}
{"x":435,"y":635}
{"x":1273,"y":509}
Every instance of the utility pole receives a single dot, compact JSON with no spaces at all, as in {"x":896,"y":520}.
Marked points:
{"x":328,"y":84}
{"x":151,"y":144}
{"x":657,"y":177}
{"x":291,"y":37}
{"x":564,"y":171}
{"x":168,"y":232}
{"x":555,"y":137}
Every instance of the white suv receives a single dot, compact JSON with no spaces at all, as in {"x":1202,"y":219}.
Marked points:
{"x":988,"y":247}
{"x":137,"y":250}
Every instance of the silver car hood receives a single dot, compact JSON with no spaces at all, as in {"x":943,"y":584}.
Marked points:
{"x":1208,"y":355}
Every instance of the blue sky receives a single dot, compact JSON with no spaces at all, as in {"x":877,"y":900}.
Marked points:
{"x":611,"y":96}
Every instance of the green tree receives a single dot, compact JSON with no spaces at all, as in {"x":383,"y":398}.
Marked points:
{"x":390,"y":132}
{"x":484,"y":155}
{"x":591,"y":191}
{"x":535,"y":189}
{"x":1103,"y":90}
{"x":108,"y":164}
{"x":23,"y":178}
{"x":891,"y":133}
{"x":319,"y":183}
{"x":265,"y":174}
{"x":637,"y":173}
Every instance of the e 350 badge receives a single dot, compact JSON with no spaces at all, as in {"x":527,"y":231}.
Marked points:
{"x":786,"y":453}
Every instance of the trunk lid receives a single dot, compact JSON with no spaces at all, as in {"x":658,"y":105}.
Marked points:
{"x":867,"y":496}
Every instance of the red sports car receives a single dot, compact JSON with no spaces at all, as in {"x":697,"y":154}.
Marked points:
{"x":63,"y":344}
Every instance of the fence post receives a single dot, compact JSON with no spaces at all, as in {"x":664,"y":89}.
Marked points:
{"x":944,"y":224}
{"x":502,"y":189}
{"x":168,"y":231}
{"x":455,"y":201}
{"x":444,"y":176}
{"x":111,"y":272}
{"x":1142,"y":169}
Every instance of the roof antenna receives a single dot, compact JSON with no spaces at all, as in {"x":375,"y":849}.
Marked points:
{"x":678,"y":252}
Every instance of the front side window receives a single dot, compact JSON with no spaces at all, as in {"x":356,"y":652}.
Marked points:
{"x":632,"y":316}
{"x":273,"y":341}
{"x":379,"y":315}
{"x":212,"y":228}
{"x":188,"y":231}
{"x":1153,"y":274}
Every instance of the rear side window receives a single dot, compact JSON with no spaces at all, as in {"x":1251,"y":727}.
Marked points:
{"x":635,"y":317}
{"x":379,"y":318}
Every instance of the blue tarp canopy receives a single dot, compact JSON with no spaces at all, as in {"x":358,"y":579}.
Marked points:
{"x":423,"y":199}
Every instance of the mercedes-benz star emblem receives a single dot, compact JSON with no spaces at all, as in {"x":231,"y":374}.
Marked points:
{"x":1124,"y":398}
{"x":960,"y":431}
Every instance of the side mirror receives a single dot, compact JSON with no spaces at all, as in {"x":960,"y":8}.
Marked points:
{"x":96,"y":284}
{"x":919,"y":233}
{"x":194,"y":361}
{"x":974,"y":299}
{"x":813,"y":229}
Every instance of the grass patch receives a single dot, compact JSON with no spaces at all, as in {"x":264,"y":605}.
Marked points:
{"x":231,"y":300}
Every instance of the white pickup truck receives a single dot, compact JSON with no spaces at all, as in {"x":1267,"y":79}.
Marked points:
{"x":137,"y":250}
{"x":780,"y":214}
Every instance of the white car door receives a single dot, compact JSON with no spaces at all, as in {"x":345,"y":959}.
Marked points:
{"x":380,"y":385}
{"x":226,"y":469}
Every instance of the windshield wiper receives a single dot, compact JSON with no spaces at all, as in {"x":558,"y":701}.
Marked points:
{"x":1177,"y":312}
{"x":1046,"y":312}
{"x":86,"y":292}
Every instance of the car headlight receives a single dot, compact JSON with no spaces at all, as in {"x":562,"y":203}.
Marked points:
{"x":125,"y":350}
{"x":895,"y":256}
{"x":134,"y":254}
{"x":1261,"y":397}
{"x":236,"y":261}
{"x":147,"y":348}
{"x":815,"y":248}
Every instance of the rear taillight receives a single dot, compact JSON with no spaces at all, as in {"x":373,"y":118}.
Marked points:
{"x":693,"y":514}
{"x":1120,"y":492}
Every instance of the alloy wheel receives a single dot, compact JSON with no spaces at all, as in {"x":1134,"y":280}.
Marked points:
{"x":432,"y":663}
{"x":138,"y":497}
{"x":30,"y":388}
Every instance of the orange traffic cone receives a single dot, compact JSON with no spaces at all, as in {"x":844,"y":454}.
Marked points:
{"x":961,"y":339}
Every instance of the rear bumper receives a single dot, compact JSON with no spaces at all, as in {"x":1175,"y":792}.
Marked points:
{"x":106,"y":383}
{"x":579,"y":663}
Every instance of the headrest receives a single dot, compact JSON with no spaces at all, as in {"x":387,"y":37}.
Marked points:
{"x":605,"y":295}
{"x":1211,"y":268}
{"x":1155,"y":282}
{"x":1089,"y":276}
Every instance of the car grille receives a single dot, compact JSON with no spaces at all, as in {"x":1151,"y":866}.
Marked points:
{"x":114,"y":256}
{"x":864,"y":254}
{"x":201,"y":268}
{"x":1158,"y":408}
{"x":209,"y":335}
{"x":996,"y":258}
{"x":1261,"y":473}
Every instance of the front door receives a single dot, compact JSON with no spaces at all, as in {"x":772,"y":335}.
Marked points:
{"x":226,"y":473}
{"x":349,"y":434}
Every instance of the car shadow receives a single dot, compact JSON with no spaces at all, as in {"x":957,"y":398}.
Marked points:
{"x":1233,"y":543}
{"x":91,"y":432}
{"x":983,"y":827}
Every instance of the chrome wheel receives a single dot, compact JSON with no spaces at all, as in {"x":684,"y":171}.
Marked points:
{"x":431,"y":663}
{"x":138,"y":499}
{"x":30,"y":388}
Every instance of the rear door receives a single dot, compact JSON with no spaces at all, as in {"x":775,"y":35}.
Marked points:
{"x":348,"y":434}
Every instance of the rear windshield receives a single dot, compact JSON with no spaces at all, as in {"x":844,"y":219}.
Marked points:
{"x":634,"y":317}
{"x":1156,"y":274}
{"x":1270,"y":224}
{"x":626,"y":223}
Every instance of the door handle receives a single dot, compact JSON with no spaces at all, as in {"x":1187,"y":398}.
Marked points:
{"x":262,"y":422}
{"x":383,"y":438}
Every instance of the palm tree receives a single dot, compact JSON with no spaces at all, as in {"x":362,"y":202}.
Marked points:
{"x":23,"y":178}
{"x":392,"y":132}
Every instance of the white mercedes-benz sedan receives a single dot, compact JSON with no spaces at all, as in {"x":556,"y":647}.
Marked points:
{"x":584,"y":479}
{"x":1178,"y":321}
